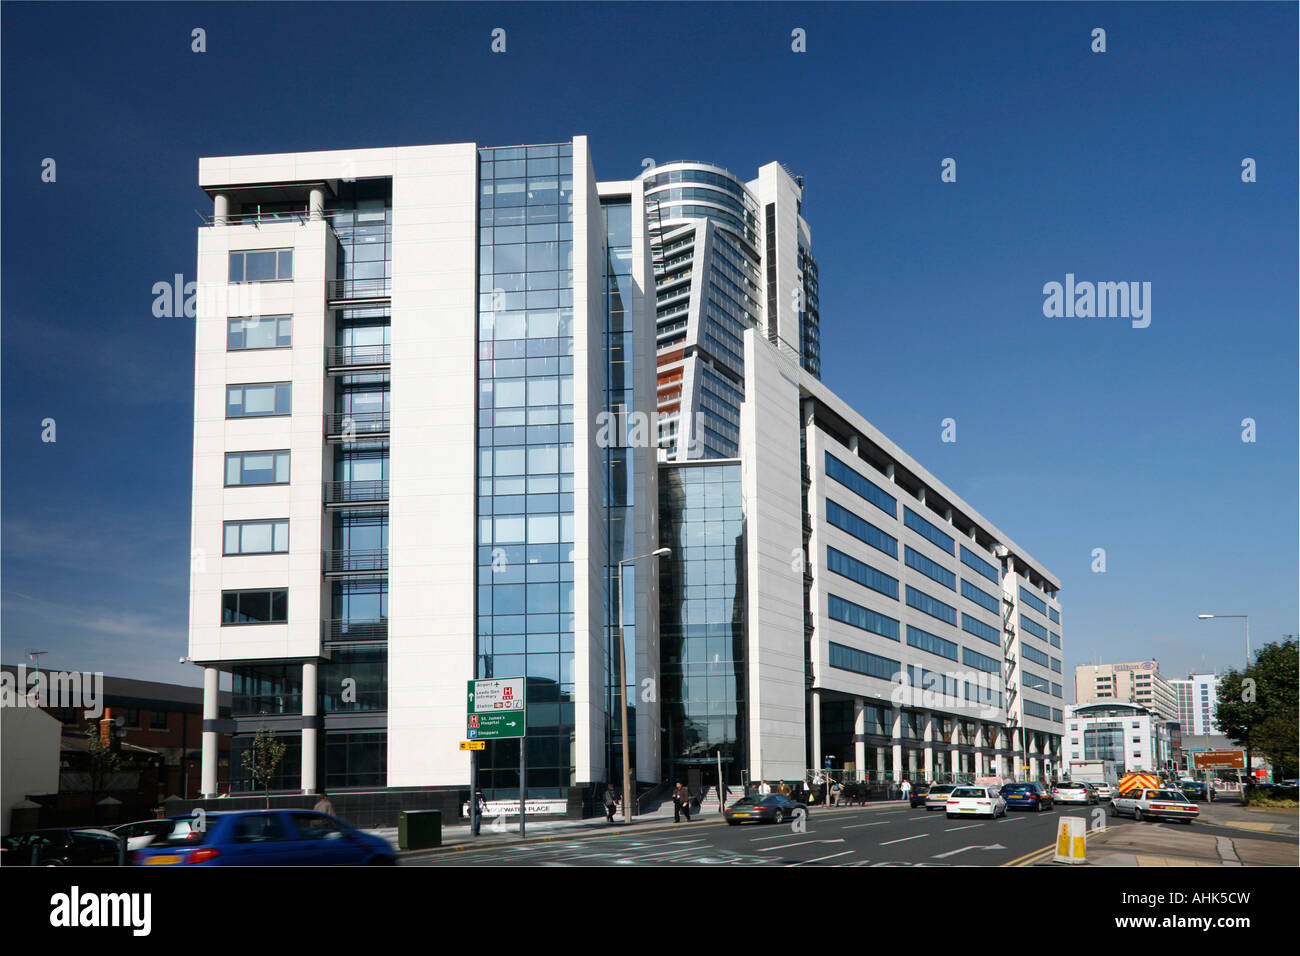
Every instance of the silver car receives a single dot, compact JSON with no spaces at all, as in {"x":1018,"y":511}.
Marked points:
{"x":1073,"y":793}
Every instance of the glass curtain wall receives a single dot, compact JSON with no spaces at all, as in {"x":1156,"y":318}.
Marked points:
{"x":525,"y":468}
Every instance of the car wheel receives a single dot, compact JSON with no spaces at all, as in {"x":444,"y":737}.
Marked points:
{"x":1188,"y":822}
{"x":731,"y":823}
{"x":1137,"y":814}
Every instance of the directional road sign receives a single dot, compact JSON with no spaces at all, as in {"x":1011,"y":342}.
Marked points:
{"x":496,"y":709}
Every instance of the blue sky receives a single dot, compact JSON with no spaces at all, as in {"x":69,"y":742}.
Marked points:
{"x":1073,"y":434}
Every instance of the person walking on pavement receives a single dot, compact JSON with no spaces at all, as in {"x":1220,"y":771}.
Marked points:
{"x":764,"y":788}
{"x":611,"y":803}
{"x":687,"y":797}
{"x":783,"y":789}
{"x":477,"y":811}
{"x":906,"y":788}
{"x":679,"y":797}
{"x":323,"y":805}
{"x":835,"y":793}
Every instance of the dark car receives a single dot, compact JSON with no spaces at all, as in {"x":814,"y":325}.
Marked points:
{"x":763,"y":808}
{"x":69,"y":846}
{"x":1192,"y":789}
{"x":1027,"y":796}
{"x":919,"y":793}
{"x":265,"y":838}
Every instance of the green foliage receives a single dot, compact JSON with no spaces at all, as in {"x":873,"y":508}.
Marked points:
{"x":1258,"y":708}
{"x":262,"y":760}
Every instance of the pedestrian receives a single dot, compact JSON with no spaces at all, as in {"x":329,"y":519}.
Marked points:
{"x":687,"y":798}
{"x":611,"y":803}
{"x":679,"y":795}
{"x":906,"y":788}
{"x":480,"y":808}
{"x":835,"y":793}
{"x":783,"y":789}
{"x":323,"y":805}
{"x":764,"y":788}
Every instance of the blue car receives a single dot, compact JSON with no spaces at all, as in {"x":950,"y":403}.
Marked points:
{"x":1026,"y":796}
{"x":265,"y":838}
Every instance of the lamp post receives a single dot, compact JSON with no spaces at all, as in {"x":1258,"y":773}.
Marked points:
{"x":1245,"y":617}
{"x":622,"y":676}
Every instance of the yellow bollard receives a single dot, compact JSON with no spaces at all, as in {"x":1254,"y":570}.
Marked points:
{"x":1071,"y":841}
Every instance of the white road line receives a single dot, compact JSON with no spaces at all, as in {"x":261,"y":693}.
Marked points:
{"x":786,"y":846}
{"x":967,"y":827}
{"x":820,"y":858}
{"x":904,"y":840}
{"x":779,"y":836}
{"x":878,"y":823}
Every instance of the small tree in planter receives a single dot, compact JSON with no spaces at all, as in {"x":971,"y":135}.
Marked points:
{"x":262,"y":760}
{"x":102,"y":762}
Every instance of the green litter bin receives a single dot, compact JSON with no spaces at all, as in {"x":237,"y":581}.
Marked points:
{"x":419,"y":829}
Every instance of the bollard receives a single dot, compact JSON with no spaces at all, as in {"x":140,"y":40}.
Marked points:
{"x":1071,"y":841}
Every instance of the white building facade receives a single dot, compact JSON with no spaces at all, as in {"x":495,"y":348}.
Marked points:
{"x":1133,"y":736}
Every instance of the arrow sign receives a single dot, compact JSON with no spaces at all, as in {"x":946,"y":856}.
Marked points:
{"x":940,"y":856}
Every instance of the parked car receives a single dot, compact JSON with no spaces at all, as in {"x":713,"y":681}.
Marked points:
{"x":763,"y":808}
{"x":1074,"y":793}
{"x":265,"y":838}
{"x":140,"y":834}
{"x":976,"y":801}
{"x":936,"y":798}
{"x":1156,"y":804}
{"x":64,"y":846}
{"x":918,"y":795}
{"x":1026,"y":796}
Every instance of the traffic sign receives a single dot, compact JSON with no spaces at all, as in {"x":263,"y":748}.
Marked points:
{"x":1220,"y":759}
{"x":473,"y":745}
{"x":496,"y":709}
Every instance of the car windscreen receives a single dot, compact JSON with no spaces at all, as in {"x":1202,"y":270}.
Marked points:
{"x":1017,"y":788}
{"x":942,"y":788}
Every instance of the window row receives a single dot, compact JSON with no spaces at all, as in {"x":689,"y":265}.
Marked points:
{"x":1033,"y":627}
{"x":860,"y":486}
{"x":1032,"y":600}
{"x":931,"y":606}
{"x":925,"y":641}
{"x":257,"y":468}
{"x":262,"y":265}
{"x":860,"y":617}
{"x":861,"y":529}
{"x":975,"y":562}
{"x":931,"y":569}
{"x":928,"y":531}
{"x":256,"y":401}
{"x":981,"y":630}
{"x":980,"y":597}
{"x":863,"y":574}
{"x":861,"y":662}
{"x":256,"y":537}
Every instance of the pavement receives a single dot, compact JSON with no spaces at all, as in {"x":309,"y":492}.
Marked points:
{"x":1225,"y":834}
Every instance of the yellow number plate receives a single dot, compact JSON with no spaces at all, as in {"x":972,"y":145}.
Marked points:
{"x":162,"y":860}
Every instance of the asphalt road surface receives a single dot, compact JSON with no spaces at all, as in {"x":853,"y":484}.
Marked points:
{"x":880,"y":835}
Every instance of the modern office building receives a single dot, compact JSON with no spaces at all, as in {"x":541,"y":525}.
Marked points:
{"x":1138,"y":682}
{"x":433,"y":432}
{"x":1135,"y":737}
{"x":1198,"y":695}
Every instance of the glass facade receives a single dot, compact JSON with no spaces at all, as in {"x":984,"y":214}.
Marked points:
{"x":525,"y":468}
{"x":703,"y":615}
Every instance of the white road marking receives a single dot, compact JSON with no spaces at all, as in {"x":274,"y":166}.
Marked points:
{"x":786,"y":846}
{"x":878,"y":823}
{"x":904,"y":840}
{"x":820,"y":858}
{"x":970,"y":826}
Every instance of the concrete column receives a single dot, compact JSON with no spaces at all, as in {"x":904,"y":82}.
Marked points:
{"x":897,"y":734}
{"x":208,"y":775}
{"x":929,"y":746}
{"x":860,"y":745}
{"x":815,"y":745}
{"x":316,"y":204}
{"x":954,"y":757}
{"x":220,"y":209}
{"x":309,"y":731}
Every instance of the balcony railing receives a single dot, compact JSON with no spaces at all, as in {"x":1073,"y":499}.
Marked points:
{"x":257,"y":218}
{"x":354,"y":561}
{"x":354,"y":630}
{"x":341,"y":290}
{"x":342,"y":356}
{"x":350,"y":492}
{"x":349,"y":426}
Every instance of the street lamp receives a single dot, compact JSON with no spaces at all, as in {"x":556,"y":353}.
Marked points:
{"x":622,"y":674}
{"x":1246,"y":617}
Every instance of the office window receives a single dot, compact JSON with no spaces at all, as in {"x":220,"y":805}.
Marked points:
{"x":255,"y":607}
{"x":256,"y":401}
{"x":931,"y":606}
{"x":1033,"y":627}
{"x":974,"y":561}
{"x":980,"y":661}
{"x":928,"y":531}
{"x":1032,"y":601}
{"x":931,"y":569}
{"x":863,"y":530}
{"x":1034,"y":709}
{"x":1054,"y":615}
{"x":1056,"y":665}
{"x":980,"y":597}
{"x":924,"y":640}
{"x":857,"y":616}
{"x":262,"y":265}
{"x":256,"y":537}
{"x":157,"y":720}
{"x":1056,"y":691}
{"x":1055,"y":638}
{"x":257,"y":468}
{"x":861,"y":662}
{"x":1037,"y":683}
{"x":259,"y":332}
{"x":981,"y":630}
{"x":864,"y":574}
{"x":1038,"y":657}
{"x":131,"y":717}
{"x":860,"y":486}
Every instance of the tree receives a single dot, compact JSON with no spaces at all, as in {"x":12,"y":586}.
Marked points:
{"x":101,"y":761}
{"x":1258,"y":708}
{"x":262,"y":759}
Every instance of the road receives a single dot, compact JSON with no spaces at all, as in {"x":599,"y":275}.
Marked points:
{"x":876,"y":835}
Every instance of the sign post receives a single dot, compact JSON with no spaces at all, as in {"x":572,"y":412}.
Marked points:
{"x":496,"y":710}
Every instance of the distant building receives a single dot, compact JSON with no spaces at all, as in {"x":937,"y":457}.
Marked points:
{"x":1137,"y":682}
{"x":1197,"y":697}
{"x":1133,"y":736}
